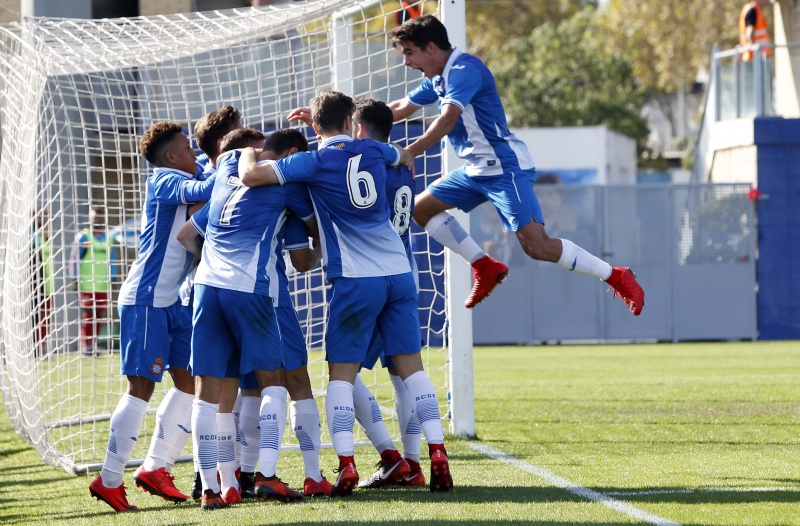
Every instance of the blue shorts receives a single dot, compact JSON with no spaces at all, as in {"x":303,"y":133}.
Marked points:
{"x":375,"y":351}
{"x":153,"y":339}
{"x":293,"y":346}
{"x":234,"y":333}
{"x":293,"y":341}
{"x":511,"y":194}
{"x":359,"y":306}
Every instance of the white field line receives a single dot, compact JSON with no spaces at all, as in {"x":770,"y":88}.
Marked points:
{"x":699,"y":491}
{"x":560,"y":482}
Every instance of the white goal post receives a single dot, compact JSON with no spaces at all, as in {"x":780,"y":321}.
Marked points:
{"x":76,"y":95}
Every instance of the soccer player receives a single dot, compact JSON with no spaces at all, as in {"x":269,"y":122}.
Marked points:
{"x":209,"y":132}
{"x":155,"y":331}
{"x":305,"y":418}
{"x":373,"y":119}
{"x":498,"y":167}
{"x":235,"y":324}
{"x":371,"y":280}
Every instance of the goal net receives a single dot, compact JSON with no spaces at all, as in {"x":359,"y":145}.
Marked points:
{"x":76,"y":97}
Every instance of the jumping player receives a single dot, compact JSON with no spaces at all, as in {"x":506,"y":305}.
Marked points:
{"x":498,"y":167}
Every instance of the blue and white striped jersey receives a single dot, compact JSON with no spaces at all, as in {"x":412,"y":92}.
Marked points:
{"x":481,"y":136}
{"x":347,"y":181}
{"x":156,"y":275}
{"x":242,"y":249}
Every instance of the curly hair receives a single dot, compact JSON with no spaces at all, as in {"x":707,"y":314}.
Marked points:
{"x":213,"y":126}
{"x":156,"y":139}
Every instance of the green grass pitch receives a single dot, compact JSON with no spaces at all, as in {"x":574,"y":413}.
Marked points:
{"x":689,"y":434}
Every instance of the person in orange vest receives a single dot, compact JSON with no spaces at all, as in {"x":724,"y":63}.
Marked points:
{"x":409,"y":9}
{"x":93,"y":269}
{"x":753,"y":29}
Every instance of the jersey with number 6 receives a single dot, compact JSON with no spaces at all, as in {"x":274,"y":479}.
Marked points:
{"x":241,"y":236}
{"x":347,"y":182}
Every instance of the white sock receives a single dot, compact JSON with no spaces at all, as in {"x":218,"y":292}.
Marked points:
{"x":369,"y":417}
{"x":250,"y":432}
{"x":126,"y":421}
{"x":306,"y":426}
{"x":341,"y":416}
{"x":410,"y":430}
{"x":446,"y":229}
{"x":172,"y":430}
{"x":226,"y":452}
{"x":204,"y":442}
{"x":576,"y":259}
{"x":273,"y":422}
{"x":237,"y":409}
{"x":426,"y":404}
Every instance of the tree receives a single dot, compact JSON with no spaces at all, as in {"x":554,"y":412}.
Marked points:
{"x":493,"y":21}
{"x":670,"y":42}
{"x":560,"y":75}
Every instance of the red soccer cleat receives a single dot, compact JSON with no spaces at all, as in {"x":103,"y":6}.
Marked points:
{"x":158,"y":482}
{"x":441,"y":480}
{"x":211,"y":501}
{"x":388,"y":473}
{"x":346,"y":481}
{"x":273,"y":488}
{"x":232,"y":496}
{"x":624,"y":283}
{"x":114,"y":497}
{"x":312,"y":488}
{"x":486,"y":275}
{"x":415,"y":477}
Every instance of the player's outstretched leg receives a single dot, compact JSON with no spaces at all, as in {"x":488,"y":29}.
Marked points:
{"x":624,"y":283}
{"x":487,"y":273}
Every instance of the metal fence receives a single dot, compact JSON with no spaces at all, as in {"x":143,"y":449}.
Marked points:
{"x":692,"y":247}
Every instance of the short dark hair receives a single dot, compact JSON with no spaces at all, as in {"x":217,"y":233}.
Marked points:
{"x":376,"y":116}
{"x":281,"y":141}
{"x":330,"y":109}
{"x":156,"y":139}
{"x":213,"y":126}
{"x":420,"y":31}
{"x":240,"y":138}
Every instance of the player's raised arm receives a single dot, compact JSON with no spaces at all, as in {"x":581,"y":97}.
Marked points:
{"x":402,"y":109}
{"x":439,"y":128}
{"x":253,"y":174}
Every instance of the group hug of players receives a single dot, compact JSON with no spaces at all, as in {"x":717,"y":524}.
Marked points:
{"x":229,"y":334}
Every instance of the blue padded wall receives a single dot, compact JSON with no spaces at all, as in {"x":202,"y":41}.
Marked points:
{"x":778,"y":163}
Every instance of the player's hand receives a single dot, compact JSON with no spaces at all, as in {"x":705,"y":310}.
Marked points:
{"x":301,"y":114}
{"x":406,"y":158}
